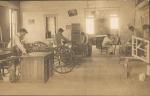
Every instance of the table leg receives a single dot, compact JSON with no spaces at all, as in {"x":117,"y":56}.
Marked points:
{"x":126,"y":67}
{"x":1,"y":73}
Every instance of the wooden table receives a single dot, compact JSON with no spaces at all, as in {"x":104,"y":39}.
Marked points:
{"x":37,"y":66}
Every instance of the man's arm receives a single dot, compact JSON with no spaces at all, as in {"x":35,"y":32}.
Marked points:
{"x":64,"y":38}
{"x":107,"y":41}
{"x":19,"y":45}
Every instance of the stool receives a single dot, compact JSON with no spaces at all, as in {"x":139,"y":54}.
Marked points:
{"x":104,"y":49}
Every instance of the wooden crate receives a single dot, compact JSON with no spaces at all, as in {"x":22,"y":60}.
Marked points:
{"x":37,"y":67}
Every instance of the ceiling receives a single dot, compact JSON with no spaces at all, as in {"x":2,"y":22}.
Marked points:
{"x":72,"y":0}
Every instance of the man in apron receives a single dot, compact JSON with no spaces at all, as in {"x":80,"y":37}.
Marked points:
{"x":18,"y":49}
{"x":17,"y":45}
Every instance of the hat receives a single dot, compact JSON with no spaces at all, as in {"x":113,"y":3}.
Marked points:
{"x":131,"y":27}
{"x":108,"y":34}
{"x":60,"y":30}
{"x":23,"y":30}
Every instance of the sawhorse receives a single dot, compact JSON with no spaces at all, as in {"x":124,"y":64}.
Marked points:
{"x":127,"y":68}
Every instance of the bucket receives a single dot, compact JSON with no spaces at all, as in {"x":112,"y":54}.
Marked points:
{"x":6,"y":78}
{"x":142,"y":76}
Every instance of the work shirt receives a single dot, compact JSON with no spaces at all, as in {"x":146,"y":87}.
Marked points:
{"x":59,"y":38}
{"x":18,"y":43}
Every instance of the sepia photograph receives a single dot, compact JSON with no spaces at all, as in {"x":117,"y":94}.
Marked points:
{"x":74,"y":48}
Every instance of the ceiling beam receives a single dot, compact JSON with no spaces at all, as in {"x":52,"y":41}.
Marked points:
{"x":68,"y":0}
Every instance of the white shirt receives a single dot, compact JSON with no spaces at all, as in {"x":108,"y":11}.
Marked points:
{"x":17,"y":42}
{"x":106,"y":41}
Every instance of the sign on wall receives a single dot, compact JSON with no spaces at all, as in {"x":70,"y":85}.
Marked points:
{"x":72,"y":12}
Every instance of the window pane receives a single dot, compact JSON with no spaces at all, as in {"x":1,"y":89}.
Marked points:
{"x":114,"y":22}
{"x":90,"y":24}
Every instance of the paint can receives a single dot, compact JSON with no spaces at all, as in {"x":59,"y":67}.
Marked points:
{"x":142,"y":76}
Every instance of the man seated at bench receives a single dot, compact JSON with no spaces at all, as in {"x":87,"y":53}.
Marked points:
{"x":107,"y":44}
{"x":60,"y":38}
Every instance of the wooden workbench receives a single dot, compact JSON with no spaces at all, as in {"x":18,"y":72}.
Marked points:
{"x":37,"y":66}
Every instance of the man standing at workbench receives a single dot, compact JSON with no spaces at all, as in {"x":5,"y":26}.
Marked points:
{"x":17,"y":44}
{"x":18,"y":49}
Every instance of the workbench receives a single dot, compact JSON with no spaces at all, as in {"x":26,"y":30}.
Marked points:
{"x":3,"y":55}
{"x":37,"y":66}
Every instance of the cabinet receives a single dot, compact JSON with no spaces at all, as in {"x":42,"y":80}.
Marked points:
{"x":37,"y":67}
{"x":76,"y":38}
{"x":75,"y":33}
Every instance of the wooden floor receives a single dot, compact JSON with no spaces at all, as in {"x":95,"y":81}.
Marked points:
{"x":98,"y":75}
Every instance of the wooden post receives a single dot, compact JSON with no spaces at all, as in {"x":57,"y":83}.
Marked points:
{"x":126,"y":67}
{"x":1,"y":40}
{"x":148,"y":70}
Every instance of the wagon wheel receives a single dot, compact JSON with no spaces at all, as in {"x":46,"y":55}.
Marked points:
{"x":63,"y":60}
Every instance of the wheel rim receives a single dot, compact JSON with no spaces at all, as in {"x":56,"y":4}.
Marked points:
{"x":63,"y":60}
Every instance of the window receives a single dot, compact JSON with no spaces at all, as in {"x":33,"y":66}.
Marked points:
{"x":13,"y":24}
{"x":114,"y":22}
{"x":90,"y":24}
{"x":50,"y":26}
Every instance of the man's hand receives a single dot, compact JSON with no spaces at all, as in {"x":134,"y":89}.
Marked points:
{"x":24,"y":52}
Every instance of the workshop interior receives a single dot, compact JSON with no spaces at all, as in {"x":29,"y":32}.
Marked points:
{"x":75,"y":47}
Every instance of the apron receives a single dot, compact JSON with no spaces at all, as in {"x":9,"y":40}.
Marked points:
{"x":16,"y":51}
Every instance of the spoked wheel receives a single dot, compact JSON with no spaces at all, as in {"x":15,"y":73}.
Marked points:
{"x":63,"y":60}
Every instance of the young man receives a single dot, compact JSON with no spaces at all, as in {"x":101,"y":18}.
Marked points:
{"x":17,"y":44}
{"x":107,"y":43}
{"x":60,"y":37}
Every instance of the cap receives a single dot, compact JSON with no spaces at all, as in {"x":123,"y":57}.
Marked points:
{"x":23,"y":30}
{"x":60,"y":30}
